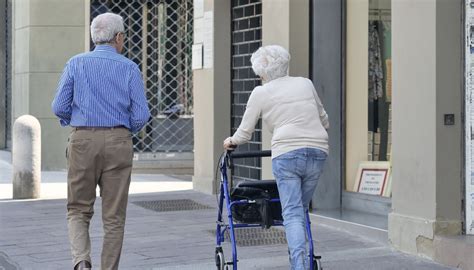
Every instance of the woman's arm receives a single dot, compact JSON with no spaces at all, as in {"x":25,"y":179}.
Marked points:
{"x":249,"y":120}
{"x":323,"y":116}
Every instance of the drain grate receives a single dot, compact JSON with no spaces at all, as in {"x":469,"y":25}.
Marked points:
{"x":250,"y":237}
{"x":172,"y":205}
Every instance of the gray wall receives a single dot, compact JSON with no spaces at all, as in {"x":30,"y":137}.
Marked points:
{"x":427,"y":155}
{"x":326,"y":75}
{"x":46,"y":33}
{"x":3,"y":45}
{"x":449,"y":91}
{"x":212,"y":101}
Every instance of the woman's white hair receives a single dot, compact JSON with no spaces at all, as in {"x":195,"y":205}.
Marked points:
{"x":105,"y":26}
{"x":270,"y":62}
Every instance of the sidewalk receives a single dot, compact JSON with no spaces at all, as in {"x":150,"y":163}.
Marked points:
{"x":33,"y":235}
{"x":53,"y":183}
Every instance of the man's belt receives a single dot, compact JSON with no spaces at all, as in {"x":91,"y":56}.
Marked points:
{"x":100,"y":128}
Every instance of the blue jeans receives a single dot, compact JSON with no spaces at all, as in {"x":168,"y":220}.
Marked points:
{"x":297,"y":173}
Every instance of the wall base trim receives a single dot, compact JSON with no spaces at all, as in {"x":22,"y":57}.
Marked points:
{"x":417,"y":236}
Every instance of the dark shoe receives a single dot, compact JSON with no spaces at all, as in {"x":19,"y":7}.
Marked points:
{"x":83,"y":265}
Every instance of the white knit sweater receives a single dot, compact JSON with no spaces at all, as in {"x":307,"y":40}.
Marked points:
{"x":291,"y":108}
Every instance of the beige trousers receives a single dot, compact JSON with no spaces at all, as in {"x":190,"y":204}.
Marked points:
{"x":98,"y":157}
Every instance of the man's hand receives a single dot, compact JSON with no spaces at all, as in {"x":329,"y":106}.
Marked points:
{"x":228,"y":145}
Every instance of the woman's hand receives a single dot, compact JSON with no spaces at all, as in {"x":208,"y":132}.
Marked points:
{"x":228,"y":145}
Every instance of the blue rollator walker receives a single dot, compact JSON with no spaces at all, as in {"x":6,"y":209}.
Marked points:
{"x":249,"y":204}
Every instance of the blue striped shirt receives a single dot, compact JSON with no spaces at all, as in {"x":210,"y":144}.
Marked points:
{"x":101,"y":88}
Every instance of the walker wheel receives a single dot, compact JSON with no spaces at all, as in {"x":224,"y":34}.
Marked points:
{"x":219,"y":257}
{"x":317,"y":264}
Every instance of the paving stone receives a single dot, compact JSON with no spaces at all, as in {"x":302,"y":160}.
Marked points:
{"x":6,"y":263}
{"x":34,"y":235}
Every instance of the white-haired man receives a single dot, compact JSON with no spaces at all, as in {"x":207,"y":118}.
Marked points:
{"x":101,"y":95}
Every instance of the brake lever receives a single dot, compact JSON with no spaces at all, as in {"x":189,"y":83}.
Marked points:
{"x":229,"y":162}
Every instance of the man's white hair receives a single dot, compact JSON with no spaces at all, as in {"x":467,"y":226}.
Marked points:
{"x":270,"y":62}
{"x":105,"y":26}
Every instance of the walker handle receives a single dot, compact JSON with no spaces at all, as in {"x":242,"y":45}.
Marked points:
{"x":230,"y":155}
{"x":250,"y":154}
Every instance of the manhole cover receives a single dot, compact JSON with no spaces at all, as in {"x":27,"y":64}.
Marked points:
{"x":172,"y":205}
{"x":6,"y":263}
{"x":249,"y":237}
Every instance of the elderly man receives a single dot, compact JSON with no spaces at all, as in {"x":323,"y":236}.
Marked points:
{"x":101,"y":95}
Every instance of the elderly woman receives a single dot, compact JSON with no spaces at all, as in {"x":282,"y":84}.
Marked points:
{"x":292,"y":110}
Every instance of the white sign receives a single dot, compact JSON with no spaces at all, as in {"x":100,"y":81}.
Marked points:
{"x":198,"y":6}
{"x":373,"y":177}
{"x":197,"y":56}
{"x":469,"y":107}
{"x":208,"y":39}
{"x":372,"y":181}
{"x":199,"y":30}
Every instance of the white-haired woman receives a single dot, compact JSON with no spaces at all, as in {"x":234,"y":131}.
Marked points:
{"x":292,"y":110}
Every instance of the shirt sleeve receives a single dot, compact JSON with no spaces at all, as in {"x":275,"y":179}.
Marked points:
{"x":249,"y":120}
{"x":139,"y":112}
{"x":323,"y":116}
{"x":62,"y":103}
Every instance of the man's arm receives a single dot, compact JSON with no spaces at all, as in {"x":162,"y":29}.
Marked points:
{"x":139,"y":112}
{"x":62,"y":103}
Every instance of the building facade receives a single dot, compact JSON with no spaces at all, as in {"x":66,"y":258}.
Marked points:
{"x":391,"y":76}
{"x":394,"y":77}
{"x":44,"y":34}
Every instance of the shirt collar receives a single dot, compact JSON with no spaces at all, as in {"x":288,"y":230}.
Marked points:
{"x":106,"y":48}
